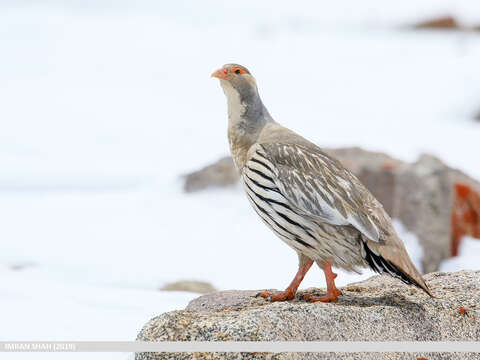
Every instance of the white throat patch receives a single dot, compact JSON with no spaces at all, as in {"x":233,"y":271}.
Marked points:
{"x":236,"y":108}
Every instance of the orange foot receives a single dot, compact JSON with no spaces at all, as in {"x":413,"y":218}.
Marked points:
{"x":291,"y":290}
{"x":277,"y":296}
{"x":332,"y":291}
{"x":330,"y":297}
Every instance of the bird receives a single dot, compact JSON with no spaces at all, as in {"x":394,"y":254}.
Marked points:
{"x":308,"y":198}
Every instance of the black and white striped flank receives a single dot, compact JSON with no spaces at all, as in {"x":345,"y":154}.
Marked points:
{"x":317,"y":241}
{"x":273,"y":207}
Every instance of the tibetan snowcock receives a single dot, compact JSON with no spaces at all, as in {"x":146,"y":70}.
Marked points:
{"x":307,"y":198}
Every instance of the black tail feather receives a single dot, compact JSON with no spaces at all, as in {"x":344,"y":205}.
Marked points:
{"x":381,"y":265}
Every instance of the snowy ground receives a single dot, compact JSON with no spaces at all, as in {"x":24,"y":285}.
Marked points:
{"x":103,"y":108}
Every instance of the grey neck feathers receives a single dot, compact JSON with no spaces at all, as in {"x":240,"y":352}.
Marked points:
{"x":246,"y":118}
{"x":246,"y":112}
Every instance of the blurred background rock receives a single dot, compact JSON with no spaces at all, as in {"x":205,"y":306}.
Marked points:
{"x":199,"y":287}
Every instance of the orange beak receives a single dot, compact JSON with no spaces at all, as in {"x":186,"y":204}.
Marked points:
{"x":221,"y":74}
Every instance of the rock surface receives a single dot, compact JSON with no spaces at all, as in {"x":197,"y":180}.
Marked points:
{"x":199,"y":287}
{"x":378,"y":309}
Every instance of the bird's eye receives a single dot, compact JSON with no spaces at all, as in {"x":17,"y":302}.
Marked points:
{"x":237,"y":71}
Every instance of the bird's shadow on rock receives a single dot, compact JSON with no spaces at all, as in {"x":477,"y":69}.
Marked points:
{"x":392,"y":300}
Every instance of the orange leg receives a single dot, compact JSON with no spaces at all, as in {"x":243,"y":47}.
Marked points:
{"x":291,"y":290}
{"x":332,"y":291}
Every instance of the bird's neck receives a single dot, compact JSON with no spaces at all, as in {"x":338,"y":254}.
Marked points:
{"x":247,"y":116}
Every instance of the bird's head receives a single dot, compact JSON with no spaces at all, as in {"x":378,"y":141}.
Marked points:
{"x":238,"y":78}
{"x":245,"y":108}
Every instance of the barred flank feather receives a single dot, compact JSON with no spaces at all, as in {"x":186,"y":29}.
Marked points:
{"x":272,"y":206}
{"x":318,"y":241}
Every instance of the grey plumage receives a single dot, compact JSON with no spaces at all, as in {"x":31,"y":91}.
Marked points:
{"x":307,"y":198}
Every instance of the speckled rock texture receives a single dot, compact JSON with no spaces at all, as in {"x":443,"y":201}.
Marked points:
{"x":378,"y":309}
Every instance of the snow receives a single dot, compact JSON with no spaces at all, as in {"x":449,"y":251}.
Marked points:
{"x":105,"y":105}
{"x":467,"y":256}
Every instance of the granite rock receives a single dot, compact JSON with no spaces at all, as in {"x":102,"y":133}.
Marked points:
{"x":378,"y":309}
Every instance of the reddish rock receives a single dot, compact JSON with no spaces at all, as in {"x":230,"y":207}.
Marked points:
{"x":444,"y":22}
{"x":465,"y":215}
{"x":440,"y":205}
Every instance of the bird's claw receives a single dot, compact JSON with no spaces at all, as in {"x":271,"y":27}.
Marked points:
{"x":329,"y":297}
{"x":277,"y":296}
{"x":264,"y":294}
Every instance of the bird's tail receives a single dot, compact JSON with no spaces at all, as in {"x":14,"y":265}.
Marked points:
{"x":395,"y":262}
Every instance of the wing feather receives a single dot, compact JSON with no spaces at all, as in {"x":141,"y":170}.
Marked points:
{"x":319,"y":187}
